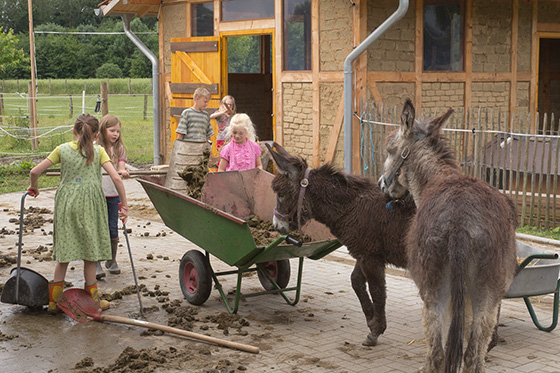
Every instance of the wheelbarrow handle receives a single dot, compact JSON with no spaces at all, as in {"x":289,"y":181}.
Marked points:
{"x":293,"y":241}
{"x":530,"y":258}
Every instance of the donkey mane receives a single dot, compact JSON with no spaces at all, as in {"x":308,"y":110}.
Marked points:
{"x":440,"y":144}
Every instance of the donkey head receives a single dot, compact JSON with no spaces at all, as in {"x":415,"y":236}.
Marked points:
{"x":406,"y":143}
{"x":289,"y":184}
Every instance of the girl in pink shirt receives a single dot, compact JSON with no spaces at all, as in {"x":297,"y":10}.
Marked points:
{"x":242,"y":152}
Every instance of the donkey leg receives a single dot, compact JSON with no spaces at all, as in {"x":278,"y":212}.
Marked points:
{"x":432,"y":324}
{"x":483,"y":324}
{"x":359,"y":285}
{"x":374,"y":272}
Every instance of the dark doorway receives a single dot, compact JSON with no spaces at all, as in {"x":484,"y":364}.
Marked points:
{"x":250,"y":79}
{"x":549,"y":83}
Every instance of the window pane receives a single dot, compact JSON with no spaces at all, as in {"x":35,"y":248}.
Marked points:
{"x":243,"y":54}
{"x":202,"y":19}
{"x":443,"y":36}
{"x":297,"y":34}
{"x":238,"y":10}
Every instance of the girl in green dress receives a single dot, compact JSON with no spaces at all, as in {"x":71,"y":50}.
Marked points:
{"x":81,"y":230}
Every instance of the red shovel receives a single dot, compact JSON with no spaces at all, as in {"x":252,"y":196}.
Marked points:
{"x":80,"y":306}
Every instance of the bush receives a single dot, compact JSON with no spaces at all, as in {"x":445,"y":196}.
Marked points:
{"x":109,"y":71}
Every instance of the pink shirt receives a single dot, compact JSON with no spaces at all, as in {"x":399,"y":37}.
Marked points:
{"x":241,"y":157}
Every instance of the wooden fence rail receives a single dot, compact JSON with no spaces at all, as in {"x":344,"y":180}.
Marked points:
{"x":491,"y":145}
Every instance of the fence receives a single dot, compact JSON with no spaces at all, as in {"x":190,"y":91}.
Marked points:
{"x":491,"y":145}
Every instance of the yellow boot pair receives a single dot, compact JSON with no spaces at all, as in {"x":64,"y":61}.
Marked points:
{"x":92,"y":290}
{"x":55,"y":289}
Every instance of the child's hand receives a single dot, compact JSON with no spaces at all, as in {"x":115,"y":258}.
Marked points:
{"x":33,"y":191}
{"x":125,"y":174}
{"x":123,"y":213}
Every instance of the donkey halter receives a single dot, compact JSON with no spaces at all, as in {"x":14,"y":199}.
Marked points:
{"x":297,"y":209}
{"x":387,"y":181}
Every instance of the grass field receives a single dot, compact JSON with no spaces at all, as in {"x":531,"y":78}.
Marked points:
{"x":55,"y":117}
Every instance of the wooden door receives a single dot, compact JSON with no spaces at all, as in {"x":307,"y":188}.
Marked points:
{"x":195,"y":62}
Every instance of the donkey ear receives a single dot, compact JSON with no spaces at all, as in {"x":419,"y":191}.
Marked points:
{"x":408,"y":115}
{"x":280,"y":157}
{"x":436,"y":123}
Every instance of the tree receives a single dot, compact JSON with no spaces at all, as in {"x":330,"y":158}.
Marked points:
{"x":109,"y":71}
{"x":10,"y":55}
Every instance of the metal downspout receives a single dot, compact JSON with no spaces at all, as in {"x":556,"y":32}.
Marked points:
{"x":155,"y":79}
{"x":348,"y":73}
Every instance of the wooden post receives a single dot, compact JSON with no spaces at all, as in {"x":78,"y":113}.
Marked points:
{"x":50,"y":88}
{"x":71,"y":106}
{"x":129,"y":87}
{"x":104,"y":102}
{"x":85,"y":86}
{"x":33,"y":104}
{"x":1,"y":106}
{"x":145,"y":106}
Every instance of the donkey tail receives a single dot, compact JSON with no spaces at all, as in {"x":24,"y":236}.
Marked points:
{"x":457,"y":265}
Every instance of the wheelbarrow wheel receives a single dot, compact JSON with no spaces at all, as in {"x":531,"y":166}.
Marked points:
{"x":195,"y":277}
{"x":279,"y":271}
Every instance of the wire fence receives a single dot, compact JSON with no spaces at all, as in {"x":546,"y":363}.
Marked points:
{"x":494,"y":146}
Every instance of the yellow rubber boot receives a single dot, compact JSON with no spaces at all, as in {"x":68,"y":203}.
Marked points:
{"x":55,"y":289}
{"x":92,"y":290}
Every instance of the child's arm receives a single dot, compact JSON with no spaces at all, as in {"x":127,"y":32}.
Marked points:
{"x":121,"y":169}
{"x":258,"y":163}
{"x":223,"y":165}
{"x":217,"y":113}
{"x":34,"y":176}
{"x":123,"y":212}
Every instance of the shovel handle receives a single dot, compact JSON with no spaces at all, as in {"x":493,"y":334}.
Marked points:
{"x":168,"y":329}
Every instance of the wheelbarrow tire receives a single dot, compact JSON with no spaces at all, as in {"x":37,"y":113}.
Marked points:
{"x":195,"y":277}
{"x":279,"y":271}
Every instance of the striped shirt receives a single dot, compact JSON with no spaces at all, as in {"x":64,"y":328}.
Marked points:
{"x":195,"y":125}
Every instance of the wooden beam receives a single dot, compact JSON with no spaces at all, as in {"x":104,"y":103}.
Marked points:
{"x":278,"y":89}
{"x":194,"y":46}
{"x":533,"y":90}
{"x":316,"y":88}
{"x":447,"y":76}
{"x":418,"y":55}
{"x":243,"y":26}
{"x":548,"y":27}
{"x":195,"y":69}
{"x":301,"y":77}
{"x":335,"y":133}
{"x":514,"y":49}
{"x":189,"y":88}
{"x":360,"y":34}
{"x":467,"y":100}
{"x":375,"y":92}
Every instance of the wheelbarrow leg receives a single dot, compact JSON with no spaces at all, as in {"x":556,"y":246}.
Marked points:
{"x":554,"y":311}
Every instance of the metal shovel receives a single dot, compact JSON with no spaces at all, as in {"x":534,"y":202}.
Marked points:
{"x":132,"y":265}
{"x":80,"y":306}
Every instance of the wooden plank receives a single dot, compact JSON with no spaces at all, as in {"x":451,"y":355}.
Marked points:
{"x":277,"y":76}
{"x":335,"y":133}
{"x":194,"y":46}
{"x":514,"y":37}
{"x":177,"y":110}
{"x":191,"y":87}
{"x":195,"y":69}
{"x":316,"y":92}
{"x":548,"y":27}
{"x":418,"y":55}
{"x":467,"y":100}
{"x":533,"y":90}
{"x":242,"y":26}
{"x":360,"y":34}
{"x":375,"y":92}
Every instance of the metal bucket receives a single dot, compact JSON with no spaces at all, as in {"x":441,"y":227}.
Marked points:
{"x":185,"y":153}
{"x":25,"y":286}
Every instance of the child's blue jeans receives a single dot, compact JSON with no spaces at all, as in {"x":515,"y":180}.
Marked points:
{"x":113,"y":212}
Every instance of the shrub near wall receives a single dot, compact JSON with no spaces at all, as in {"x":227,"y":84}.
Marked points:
{"x":77,"y":86}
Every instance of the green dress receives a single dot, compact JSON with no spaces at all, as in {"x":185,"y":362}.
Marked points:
{"x":81,"y":228}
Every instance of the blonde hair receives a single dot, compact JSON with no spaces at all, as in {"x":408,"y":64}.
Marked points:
{"x":223,"y":105}
{"x":86,"y":127}
{"x":117,"y":147}
{"x":244,"y":122}
{"x":201,"y":92}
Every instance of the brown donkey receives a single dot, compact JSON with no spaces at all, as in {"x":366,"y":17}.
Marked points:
{"x":354,"y":209}
{"x":461,"y":245}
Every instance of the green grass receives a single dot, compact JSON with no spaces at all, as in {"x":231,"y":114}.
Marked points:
{"x":54,"y":125}
{"x":534,"y":231}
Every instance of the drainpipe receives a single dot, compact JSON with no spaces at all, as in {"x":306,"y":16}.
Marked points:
{"x":155,"y":79}
{"x":348,"y":72}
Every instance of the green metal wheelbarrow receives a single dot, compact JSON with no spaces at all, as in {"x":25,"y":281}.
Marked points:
{"x":538,"y":274}
{"x":217,"y":225}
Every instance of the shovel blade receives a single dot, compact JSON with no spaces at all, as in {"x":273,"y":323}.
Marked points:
{"x":79,"y":305}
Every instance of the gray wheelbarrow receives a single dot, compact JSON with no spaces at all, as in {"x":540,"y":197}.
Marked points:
{"x":25,"y":286}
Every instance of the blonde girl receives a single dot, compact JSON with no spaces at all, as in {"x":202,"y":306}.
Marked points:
{"x":81,"y":230}
{"x":242,"y":152}
{"x":223,"y":116}
{"x":111,"y":140}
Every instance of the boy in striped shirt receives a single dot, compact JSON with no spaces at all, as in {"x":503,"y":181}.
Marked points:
{"x":195,"y":122}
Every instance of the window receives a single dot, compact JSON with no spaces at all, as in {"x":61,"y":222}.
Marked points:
{"x":443,"y":35}
{"x":244,"y":54}
{"x":238,"y":10}
{"x":297,"y":34}
{"x":202,"y":19}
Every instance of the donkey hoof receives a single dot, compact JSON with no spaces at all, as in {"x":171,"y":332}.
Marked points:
{"x":370,"y":340}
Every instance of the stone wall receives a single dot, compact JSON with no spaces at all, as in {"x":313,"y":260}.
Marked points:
{"x":492,"y":95}
{"x":330,"y":96}
{"x":297,"y":101}
{"x":548,"y":12}
{"x":524,"y":37}
{"x":394,"y":50}
{"x":491,"y":36}
{"x":335,"y":33}
{"x":394,"y":94}
{"x":442,"y":96}
{"x":523,"y":90}
{"x":175,"y":26}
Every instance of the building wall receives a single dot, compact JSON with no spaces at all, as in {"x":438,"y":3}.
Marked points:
{"x":394,"y":94}
{"x":335,"y":33}
{"x":330,"y":95}
{"x":548,"y":12}
{"x":491,"y":36}
{"x":493,"y":95}
{"x":298,"y":118}
{"x":394,"y":50}
{"x":524,"y":37}
{"x":442,"y":95}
